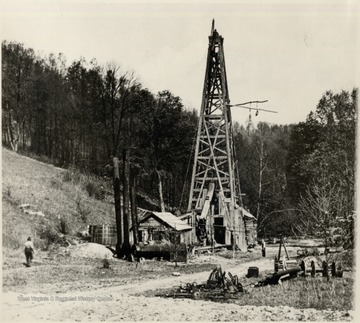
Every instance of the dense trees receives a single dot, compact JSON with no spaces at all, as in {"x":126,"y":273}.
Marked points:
{"x":300,"y":179}
{"x":166,"y":135}
{"x":322,"y":176}
{"x":262,"y":154}
{"x":84,"y":114}
{"x":297,"y":179}
{"x":17,"y":66}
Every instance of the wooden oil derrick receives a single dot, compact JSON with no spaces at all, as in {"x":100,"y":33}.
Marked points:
{"x":215,"y":197}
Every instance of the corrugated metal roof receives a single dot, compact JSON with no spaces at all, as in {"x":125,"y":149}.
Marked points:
{"x":171,"y":220}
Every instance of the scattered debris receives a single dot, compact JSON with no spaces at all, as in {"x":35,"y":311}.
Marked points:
{"x":26,"y":208}
{"x":65,"y":252}
{"x":38,"y":213}
{"x":305,"y":252}
{"x":83,"y":234}
{"x":218,"y":286}
{"x":198,"y":250}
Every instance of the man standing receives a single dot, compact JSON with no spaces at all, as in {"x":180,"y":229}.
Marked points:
{"x":29,"y":251}
{"x":263,"y":247}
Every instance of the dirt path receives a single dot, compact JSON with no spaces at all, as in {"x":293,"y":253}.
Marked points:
{"x":119,"y":304}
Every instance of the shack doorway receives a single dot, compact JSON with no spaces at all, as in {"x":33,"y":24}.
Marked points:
{"x":219,"y":234}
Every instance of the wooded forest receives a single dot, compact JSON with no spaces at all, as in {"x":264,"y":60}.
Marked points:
{"x":298,"y":179}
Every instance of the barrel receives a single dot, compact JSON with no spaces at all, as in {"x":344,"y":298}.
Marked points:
{"x":252,"y":272}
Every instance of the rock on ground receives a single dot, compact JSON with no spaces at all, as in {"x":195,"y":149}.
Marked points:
{"x":90,"y":250}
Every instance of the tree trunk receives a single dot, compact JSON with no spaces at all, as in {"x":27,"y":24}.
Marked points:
{"x":161,"y":197}
{"x":13,"y":131}
{"x":261,"y":169}
{"x":15,"y":139}
{"x":126,"y":203}
{"x":117,"y":200}
{"x":134,"y":218}
{"x":23,"y":135}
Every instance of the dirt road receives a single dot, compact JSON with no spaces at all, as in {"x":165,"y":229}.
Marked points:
{"x":121,"y":304}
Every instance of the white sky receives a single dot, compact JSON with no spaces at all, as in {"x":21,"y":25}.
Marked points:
{"x":286,"y":52}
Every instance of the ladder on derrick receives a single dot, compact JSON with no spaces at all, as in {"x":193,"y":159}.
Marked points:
{"x":215,"y":196}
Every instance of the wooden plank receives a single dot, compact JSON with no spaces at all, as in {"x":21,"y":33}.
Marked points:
{"x":206,"y":206}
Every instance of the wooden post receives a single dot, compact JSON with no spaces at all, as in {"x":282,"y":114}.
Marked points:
{"x":280,"y":243}
{"x":212,"y":228}
{"x":126,"y":201}
{"x":134,"y":218}
{"x":325,"y":269}
{"x":235,"y":222}
{"x":102,"y":234}
{"x":119,"y":227}
{"x":313,"y":269}
{"x":287,"y":255}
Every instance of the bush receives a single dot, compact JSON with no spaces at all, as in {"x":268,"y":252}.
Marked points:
{"x":90,"y":184}
{"x":63,"y":226}
{"x":94,"y":190}
{"x":50,"y":237}
{"x":12,"y":241}
{"x":41,"y":158}
{"x":82,"y":210}
{"x":71,"y":175}
{"x":67,"y":176}
{"x":55,"y":183}
{"x":8,"y":191}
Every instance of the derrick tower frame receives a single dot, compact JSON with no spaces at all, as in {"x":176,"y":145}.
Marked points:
{"x":215,"y":197}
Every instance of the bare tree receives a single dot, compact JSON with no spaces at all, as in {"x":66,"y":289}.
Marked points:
{"x":116,"y":91}
{"x":324,"y":214}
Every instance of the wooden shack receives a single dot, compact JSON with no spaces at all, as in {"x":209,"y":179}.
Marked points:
{"x":250,"y":227}
{"x":158,"y":226}
{"x":152,"y":226}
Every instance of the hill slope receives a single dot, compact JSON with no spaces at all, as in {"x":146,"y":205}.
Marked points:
{"x":53,"y":200}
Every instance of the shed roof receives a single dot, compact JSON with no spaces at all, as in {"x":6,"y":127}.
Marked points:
{"x":247,"y":213}
{"x":168,"y":218}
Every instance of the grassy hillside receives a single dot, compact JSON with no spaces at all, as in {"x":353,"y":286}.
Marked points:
{"x":59,"y":201}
